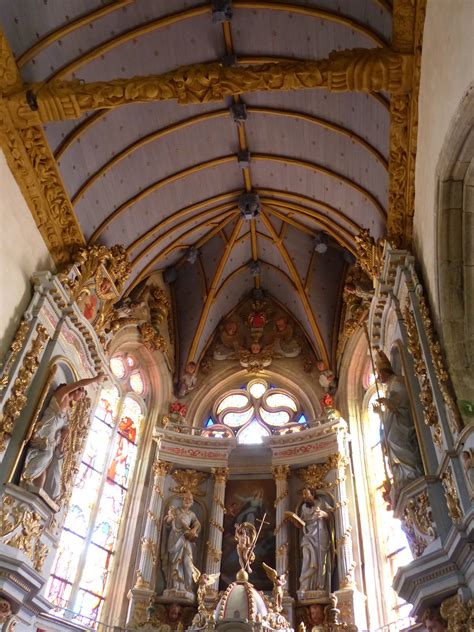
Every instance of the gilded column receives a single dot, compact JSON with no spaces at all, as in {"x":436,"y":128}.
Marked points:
{"x":280,"y":474}
{"x":345,"y":560}
{"x":151,"y":537}
{"x":216,"y":524}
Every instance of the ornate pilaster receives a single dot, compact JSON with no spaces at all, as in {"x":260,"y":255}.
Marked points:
{"x":151,"y":536}
{"x":280,"y":474}
{"x":141,"y":592}
{"x":216,"y":522}
{"x":345,"y":560}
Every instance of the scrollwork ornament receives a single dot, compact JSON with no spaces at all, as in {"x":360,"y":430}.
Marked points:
{"x":17,"y":399}
{"x":189,"y":481}
{"x":452,"y":498}
{"x":369,"y":254}
{"x":281,"y":472}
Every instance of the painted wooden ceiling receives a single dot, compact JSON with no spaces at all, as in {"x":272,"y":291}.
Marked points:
{"x":161,"y":178}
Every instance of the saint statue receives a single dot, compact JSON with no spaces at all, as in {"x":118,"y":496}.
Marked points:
{"x":47,"y":445}
{"x":398,"y":434}
{"x":316,"y":542}
{"x":246,"y":538}
{"x":182,"y":530}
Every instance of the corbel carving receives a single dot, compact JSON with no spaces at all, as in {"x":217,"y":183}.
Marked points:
{"x":457,"y":614}
{"x":314,"y":476}
{"x":418,"y":524}
{"x":369,"y":254}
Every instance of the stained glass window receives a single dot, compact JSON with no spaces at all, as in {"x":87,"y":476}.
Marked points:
{"x":78,"y":581}
{"x":136,"y":383}
{"x":394,"y":549}
{"x":255,"y":411}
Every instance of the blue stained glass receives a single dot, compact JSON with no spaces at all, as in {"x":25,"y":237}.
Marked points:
{"x":209,"y":422}
{"x":302,"y":420}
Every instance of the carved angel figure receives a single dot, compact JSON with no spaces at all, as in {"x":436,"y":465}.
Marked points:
{"x":50,"y":435}
{"x":203,"y":580}
{"x":279,"y":582}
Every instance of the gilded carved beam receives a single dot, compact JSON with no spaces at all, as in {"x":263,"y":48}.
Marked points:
{"x":363,"y":70}
{"x":32,"y":163}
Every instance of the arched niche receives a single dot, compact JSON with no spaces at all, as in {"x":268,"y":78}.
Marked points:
{"x":455,"y":250}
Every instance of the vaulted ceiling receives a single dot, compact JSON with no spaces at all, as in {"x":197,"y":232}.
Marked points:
{"x":162,"y":177}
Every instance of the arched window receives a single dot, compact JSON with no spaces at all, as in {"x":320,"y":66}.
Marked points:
{"x":78,"y":583}
{"x":393,"y":549}
{"x":255,"y":411}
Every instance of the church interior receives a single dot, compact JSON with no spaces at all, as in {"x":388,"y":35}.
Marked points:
{"x":236,"y":316}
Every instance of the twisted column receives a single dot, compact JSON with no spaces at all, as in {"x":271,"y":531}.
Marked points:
{"x":151,"y":536}
{"x":216,"y":524}
{"x":280,"y":474}
{"x":345,"y":560}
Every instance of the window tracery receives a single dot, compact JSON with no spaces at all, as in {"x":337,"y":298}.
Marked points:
{"x":78,"y":582}
{"x":255,"y":411}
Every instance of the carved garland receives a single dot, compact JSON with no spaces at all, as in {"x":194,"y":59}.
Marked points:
{"x":451,"y":493}
{"x":17,"y":400}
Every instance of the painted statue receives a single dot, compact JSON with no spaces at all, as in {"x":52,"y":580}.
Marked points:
{"x":279,"y":583}
{"x":398,"y":435}
{"x":49,"y":439}
{"x":182,"y":531}
{"x":316,"y":542}
{"x":188,"y":379}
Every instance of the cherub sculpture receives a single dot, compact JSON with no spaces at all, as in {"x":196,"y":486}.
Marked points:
{"x":279,"y":582}
{"x":202,"y":580}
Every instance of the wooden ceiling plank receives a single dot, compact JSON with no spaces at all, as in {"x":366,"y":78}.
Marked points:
{"x":155,"y":187}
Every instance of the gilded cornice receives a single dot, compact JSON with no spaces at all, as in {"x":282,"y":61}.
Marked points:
{"x":34,"y":168}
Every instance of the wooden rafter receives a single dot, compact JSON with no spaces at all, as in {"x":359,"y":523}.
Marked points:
{"x":213,"y":288}
{"x":299,"y":287}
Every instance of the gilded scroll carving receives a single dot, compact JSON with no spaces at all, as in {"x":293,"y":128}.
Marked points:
{"x":369,"y":254}
{"x":430,"y":415}
{"x":17,"y":399}
{"x":21,"y":528}
{"x":452,"y":498}
{"x":15,"y":347}
{"x":417,"y":523}
{"x":454,"y":418}
{"x":457,"y":614}
{"x":314,"y":476}
{"x":189,"y":481}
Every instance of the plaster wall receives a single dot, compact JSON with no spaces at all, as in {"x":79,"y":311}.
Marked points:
{"x":447,"y":70}
{"x":22,"y":252}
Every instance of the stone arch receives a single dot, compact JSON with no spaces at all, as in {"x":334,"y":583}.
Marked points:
{"x":455,"y":250}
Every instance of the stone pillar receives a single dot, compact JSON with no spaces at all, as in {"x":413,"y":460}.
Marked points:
{"x":216,"y":525}
{"x":280,"y":474}
{"x":140,"y":594}
{"x":345,"y":560}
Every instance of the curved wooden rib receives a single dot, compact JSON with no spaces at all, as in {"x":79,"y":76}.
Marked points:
{"x":148,"y":269}
{"x":155,"y":187}
{"x":212,"y":289}
{"x":70,"y":27}
{"x":169,"y":20}
{"x":141,"y":142}
{"x":301,"y":199}
{"x":299,"y":286}
{"x":70,"y":138}
{"x":224,"y":160}
{"x":244,"y":267}
{"x":181,"y":213}
{"x":175,"y":127}
{"x":344,"y":242}
{"x":183,"y":236}
{"x":325,"y":171}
